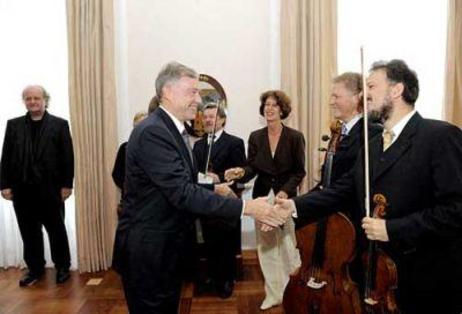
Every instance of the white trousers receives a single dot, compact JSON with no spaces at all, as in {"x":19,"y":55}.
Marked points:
{"x":278,"y":258}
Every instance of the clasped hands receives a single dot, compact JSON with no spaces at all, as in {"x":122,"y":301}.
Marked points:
{"x":270,"y":216}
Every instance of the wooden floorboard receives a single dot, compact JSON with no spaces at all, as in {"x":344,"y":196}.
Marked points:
{"x":75,"y":296}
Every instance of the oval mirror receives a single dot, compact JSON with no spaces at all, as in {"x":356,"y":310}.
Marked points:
{"x":211,"y":92}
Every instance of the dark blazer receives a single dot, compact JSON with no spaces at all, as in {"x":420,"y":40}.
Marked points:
{"x":349,"y":147}
{"x":50,"y":164}
{"x":227,"y":152}
{"x":283,"y":172}
{"x":345,"y":157}
{"x":222,"y":238}
{"x":421,"y":177}
{"x":160,"y":204}
{"x":118,"y":171}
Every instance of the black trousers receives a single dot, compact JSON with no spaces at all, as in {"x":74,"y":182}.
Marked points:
{"x":36,"y":207}
{"x":222,"y":243}
{"x":148,"y":263}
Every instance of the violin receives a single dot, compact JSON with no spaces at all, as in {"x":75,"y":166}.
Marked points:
{"x":381,"y":279}
{"x":322,"y":284}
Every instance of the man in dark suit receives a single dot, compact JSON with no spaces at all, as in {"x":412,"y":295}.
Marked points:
{"x":37,"y":175}
{"x":345,"y":101}
{"x":162,"y":198}
{"x":417,"y":166}
{"x":222,"y":239}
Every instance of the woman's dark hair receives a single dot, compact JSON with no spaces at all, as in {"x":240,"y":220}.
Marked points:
{"x":282,"y":100}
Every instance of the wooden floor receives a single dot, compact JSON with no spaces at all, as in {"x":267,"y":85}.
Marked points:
{"x":76,"y":296}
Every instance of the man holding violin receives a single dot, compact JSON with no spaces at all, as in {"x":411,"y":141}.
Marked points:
{"x":417,"y":166}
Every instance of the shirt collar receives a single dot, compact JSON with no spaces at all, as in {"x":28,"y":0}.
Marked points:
{"x":352,"y":123}
{"x":398,"y":128}
{"x":217,"y":136}
{"x":179,"y":125}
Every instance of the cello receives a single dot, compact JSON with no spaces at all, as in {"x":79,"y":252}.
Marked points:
{"x":322,"y":284}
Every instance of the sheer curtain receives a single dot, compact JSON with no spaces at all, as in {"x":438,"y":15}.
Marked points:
{"x":34,"y":51}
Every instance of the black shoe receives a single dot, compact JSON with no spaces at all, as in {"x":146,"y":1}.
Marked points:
{"x":225,"y":290}
{"x":203,"y":287}
{"x":30,"y":278}
{"x":62,"y":274}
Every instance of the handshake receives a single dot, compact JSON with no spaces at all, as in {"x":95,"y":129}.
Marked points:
{"x":270,"y":216}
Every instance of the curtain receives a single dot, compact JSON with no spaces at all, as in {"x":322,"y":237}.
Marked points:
{"x":94,"y":124}
{"x":308,"y":64}
{"x":452,"y":110}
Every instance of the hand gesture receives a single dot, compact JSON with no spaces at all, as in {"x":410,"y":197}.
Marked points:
{"x":234,"y":173}
{"x":263,"y":212}
{"x":223,"y":189}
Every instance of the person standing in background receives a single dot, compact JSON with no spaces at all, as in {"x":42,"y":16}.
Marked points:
{"x":37,"y":173}
{"x":118,"y":172}
{"x":276,"y":155}
{"x":222,"y":238}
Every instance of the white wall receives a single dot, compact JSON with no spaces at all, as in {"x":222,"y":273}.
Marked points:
{"x":235,"y":41}
{"x":397,"y":30}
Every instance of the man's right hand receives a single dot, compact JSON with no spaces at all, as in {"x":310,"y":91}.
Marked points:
{"x":262,"y":211}
{"x":7,"y":194}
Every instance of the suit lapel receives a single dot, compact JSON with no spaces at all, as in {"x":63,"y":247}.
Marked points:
{"x":283,"y":139}
{"x":178,"y":138}
{"x":385,"y":160}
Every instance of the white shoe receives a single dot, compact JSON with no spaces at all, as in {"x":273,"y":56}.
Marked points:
{"x":268,"y":303}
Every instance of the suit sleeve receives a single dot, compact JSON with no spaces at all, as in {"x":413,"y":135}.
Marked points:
{"x":318,"y":204}
{"x":298,"y":165}
{"x":67,"y":157}
{"x":5,"y":181}
{"x":161,"y":160}
{"x":444,"y":219}
{"x":118,"y":172}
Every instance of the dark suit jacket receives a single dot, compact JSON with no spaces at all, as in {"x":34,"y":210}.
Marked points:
{"x":160,"y":204}
{"x":227,"y":152}
{"x":349,"y":147}
{"x":346,"y":154}
{"x":118,"y":171}
{"x":283,"y":172}
{"x":52,"y":164}
{"x":421,"y":177}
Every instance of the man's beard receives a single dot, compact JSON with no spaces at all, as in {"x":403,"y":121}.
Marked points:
{"x":383,"y":113}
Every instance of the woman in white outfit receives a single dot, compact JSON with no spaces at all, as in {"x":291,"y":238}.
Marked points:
{"x":276,"y":154}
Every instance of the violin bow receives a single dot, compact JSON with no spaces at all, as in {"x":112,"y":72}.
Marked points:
{"x":367,"y":193}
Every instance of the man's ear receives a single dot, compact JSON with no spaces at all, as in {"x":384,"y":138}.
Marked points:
{"x":397,"y":90}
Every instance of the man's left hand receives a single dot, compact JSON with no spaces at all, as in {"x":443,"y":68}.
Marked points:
{"x":375,"y":229}
{"x":223,"y":189}
{"x":65,"y":193}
